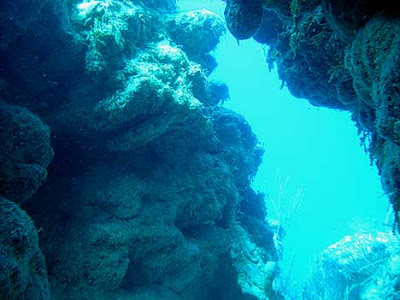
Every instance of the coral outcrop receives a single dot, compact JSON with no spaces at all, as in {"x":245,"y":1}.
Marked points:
{"x":243,"y":17}
{"x":25,"y":152}
{"x":198,"y":32}
{"x":149,"y":194}
{"x":361,"y":266}
{"x":343,"y":55}
{"x":23,"y":272}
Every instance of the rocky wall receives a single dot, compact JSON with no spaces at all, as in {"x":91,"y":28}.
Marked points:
{"x":148,"y":194}
{"x":342,"y":55}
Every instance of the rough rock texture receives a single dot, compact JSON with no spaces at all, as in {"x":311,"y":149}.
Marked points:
{"x":343,"y":55}
{"x":148,"y":195}
{"x":25,"y":152}
{"x":23,"y":272}
{"x":361,"y":266}
{"x":165,"y":221}
{"x":198,"y":32}
{"x":243,"y":17}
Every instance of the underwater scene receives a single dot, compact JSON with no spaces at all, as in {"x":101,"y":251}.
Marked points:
{"x":199,"y":149}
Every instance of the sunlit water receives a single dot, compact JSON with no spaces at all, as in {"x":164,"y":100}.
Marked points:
{"x":309,"y":148}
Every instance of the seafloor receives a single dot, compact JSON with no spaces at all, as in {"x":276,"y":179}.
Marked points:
{"x":122,"y":176}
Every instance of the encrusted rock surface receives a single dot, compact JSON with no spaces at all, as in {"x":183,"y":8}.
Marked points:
{"x":362,"y":266}
{"x":25,"y":152}
{"x":23,"y":272}
{"x":243,"y":17}
{"x":198,"y":32}
{"x":148,"y":195}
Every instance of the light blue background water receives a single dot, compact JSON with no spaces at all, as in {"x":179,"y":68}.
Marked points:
{"x":314,"y":148}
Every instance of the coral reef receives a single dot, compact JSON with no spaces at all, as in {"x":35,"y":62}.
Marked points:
{"x":149,"y":194}
{"x":25,"y":152}
{"x":343,"y":55}
{"x":198,"y":32}
{"x":361,"y":266}
{"x":23,"y":272}
{"x":167,"y":216}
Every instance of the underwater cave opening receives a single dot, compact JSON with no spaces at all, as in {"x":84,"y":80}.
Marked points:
{"x":310,"y":150}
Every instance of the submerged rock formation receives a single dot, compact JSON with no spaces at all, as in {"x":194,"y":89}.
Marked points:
{"x":148,"y":195}
{"x":23,"y":272}
{"x":362,"y":266}
{"x":343,"y":55}
{"x":243,"y":17}
{"x":25,"y":152}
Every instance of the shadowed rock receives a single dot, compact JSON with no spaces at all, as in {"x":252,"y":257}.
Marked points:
{"x":243,"y":17}
{"x":23,"y":272}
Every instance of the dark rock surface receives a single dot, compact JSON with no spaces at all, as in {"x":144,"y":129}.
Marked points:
{"x":148,"y":195}
{"x":23,"y":272}
{"x":25,"y":152}
{"x":243,"y":17}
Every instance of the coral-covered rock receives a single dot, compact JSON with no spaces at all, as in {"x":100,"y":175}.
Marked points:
{"x":218,"y":92}
{"x":255,"y":274}
{"x":243,"y":17}
{"x":373,"y":63}
{"x":308,"y":55}
{"x":113,"y":30}
{"x":25,"y":152}
{"x":197,"y":31}
{"x":23,"y":272}
{"x":343,"y":55}
{"x":163,"y":220}
{"x":241,"y":145}
{"x":149,"y":172}
{"x":362,"y":266}
{"x":270,"y":28}
{"x":347,"y":17}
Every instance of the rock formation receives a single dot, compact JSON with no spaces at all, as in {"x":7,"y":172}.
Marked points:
{"x":343,"y":55}
{"x":361,"y":266}
{"x":148,"y":195}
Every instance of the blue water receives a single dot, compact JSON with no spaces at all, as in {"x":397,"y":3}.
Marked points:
{"x":310,"y":148}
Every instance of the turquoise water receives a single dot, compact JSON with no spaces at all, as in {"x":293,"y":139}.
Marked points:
{"x":310,"y":148}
